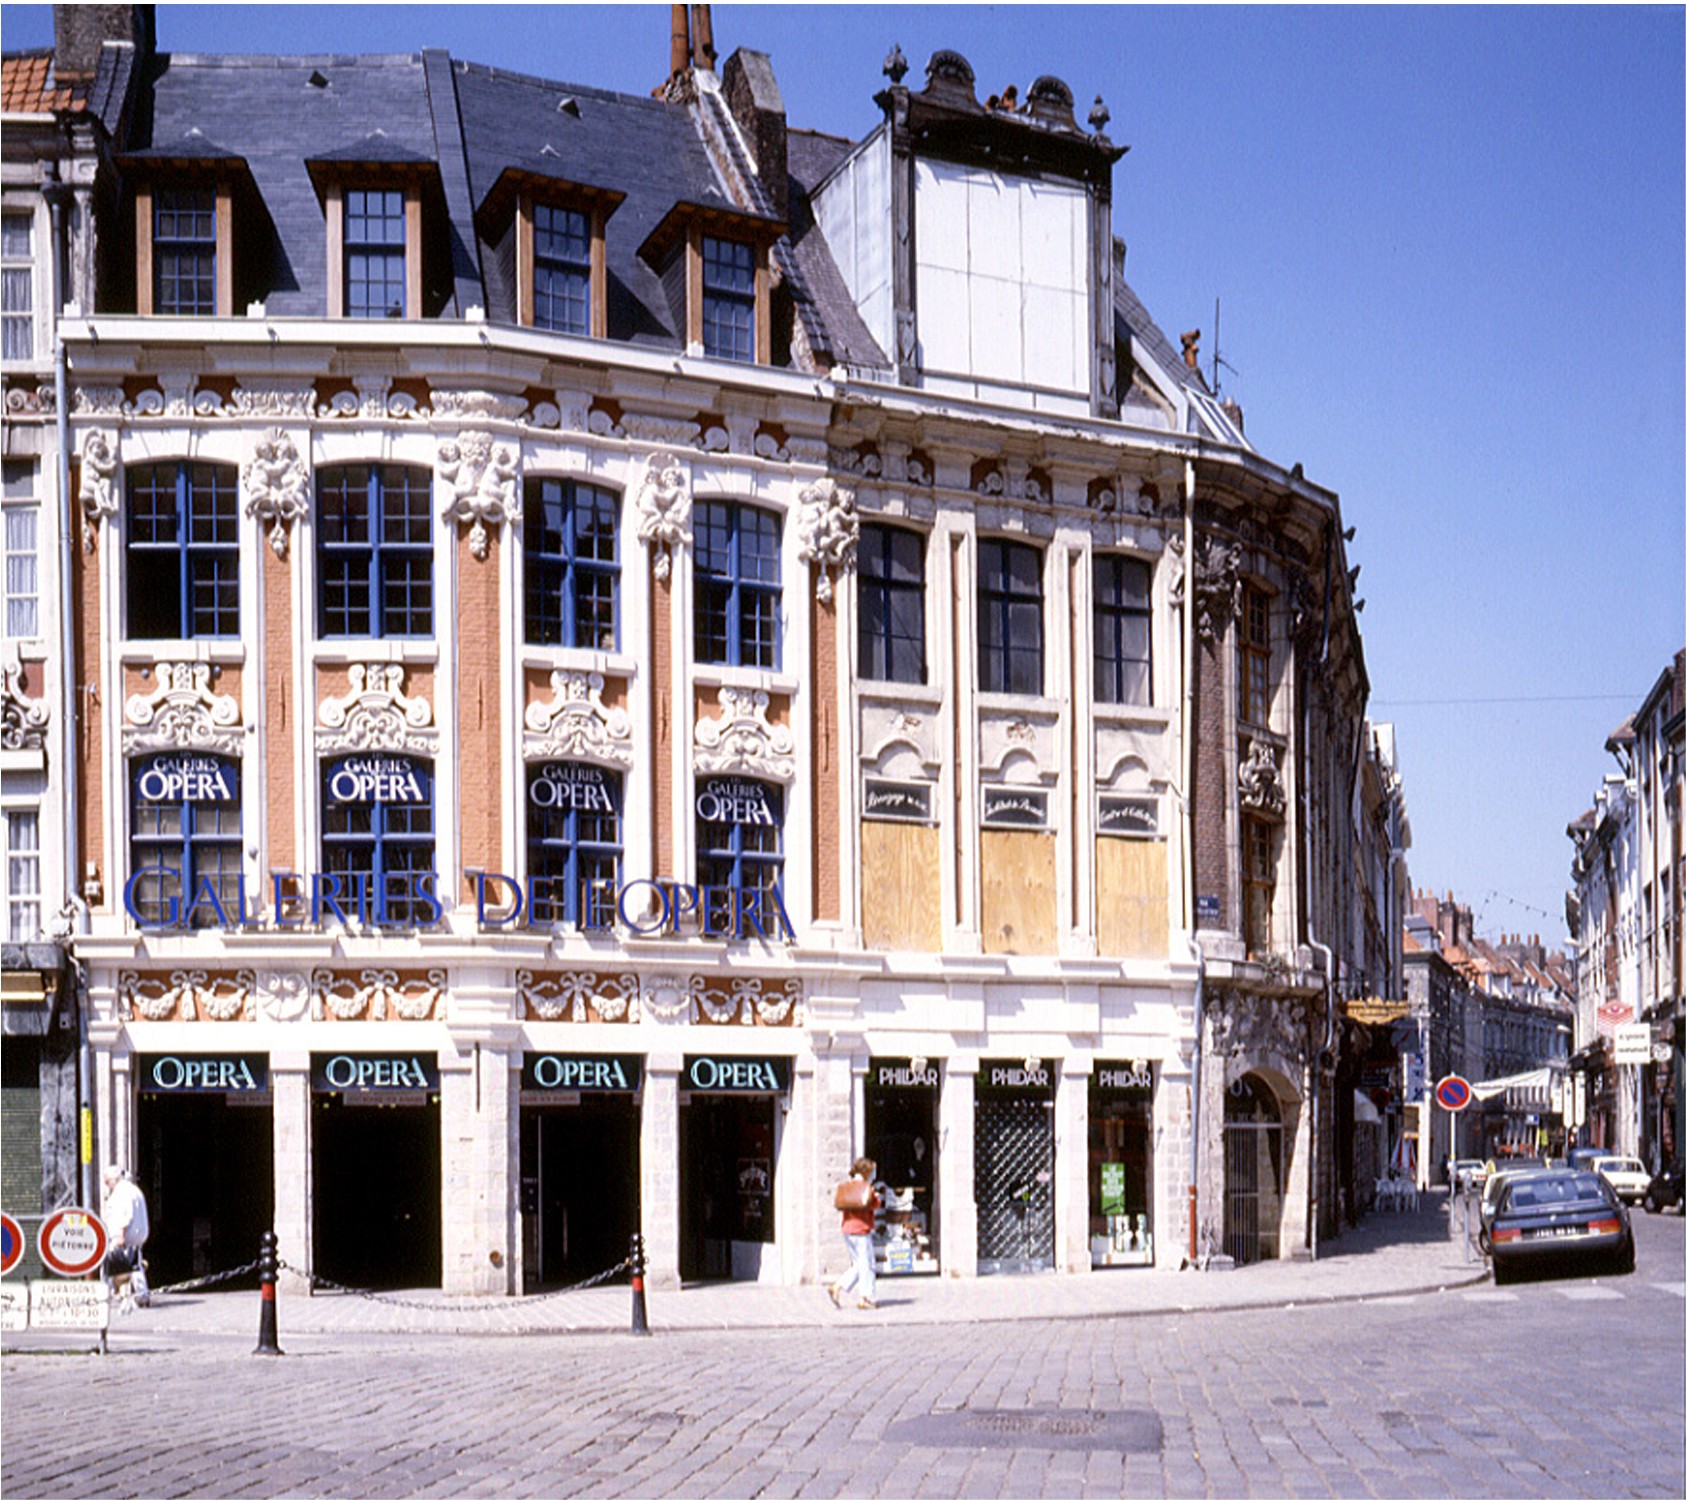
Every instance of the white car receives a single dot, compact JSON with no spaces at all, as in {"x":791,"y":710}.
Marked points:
{"x":1626,"y":1174}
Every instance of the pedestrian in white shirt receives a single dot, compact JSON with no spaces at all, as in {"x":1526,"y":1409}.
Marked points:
{"x":127,"y":1225}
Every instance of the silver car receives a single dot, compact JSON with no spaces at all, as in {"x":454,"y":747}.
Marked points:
{"x":1626,"y":1174}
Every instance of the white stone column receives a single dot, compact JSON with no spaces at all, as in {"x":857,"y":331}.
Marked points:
{"x":477,"y":1202}
{"x":957,"y":1162}
{"x":658,"y":1155}
{"x":1172,"y":1134}
{"x":1071,"y":1166}
{"x":289,"y":1084}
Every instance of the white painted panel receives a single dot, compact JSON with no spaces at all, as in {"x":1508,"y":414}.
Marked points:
{"x":993,"y":227}
{"x":944,"y":320}
{"x":1054,"y":241}
{"x":1056,"y":342}
{"x":997,"y":329}
{"x":853,"y":212}
{"x":940,"y":215}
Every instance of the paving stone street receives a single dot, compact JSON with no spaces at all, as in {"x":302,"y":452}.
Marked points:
{"x":1552,"y":1387}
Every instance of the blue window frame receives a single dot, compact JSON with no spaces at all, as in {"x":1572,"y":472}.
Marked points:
{"x":740,"y":836}
{"x":184,"y":825}
{"x":1009,"y":618}
{"x":184,"y":252}
{"x":374,"y":551}
{"x":561,"y":269}
{"x":892,"y":604}
{"x":728,"y":293}
{"x":572,"y":565}
{"x":183,"y":554}
{"x":1123,"y":630}
{"x":377,"y":837}
{"x":737,"y":585}
{"x":374,"y":253}
{"x":573,"y":842}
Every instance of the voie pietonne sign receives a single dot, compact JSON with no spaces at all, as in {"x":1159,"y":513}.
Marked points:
{"x":71,"y":1242}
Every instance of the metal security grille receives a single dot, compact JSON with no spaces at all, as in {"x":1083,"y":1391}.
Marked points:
{"x":1252,"y":1193}
{"x":1015,"y":1184}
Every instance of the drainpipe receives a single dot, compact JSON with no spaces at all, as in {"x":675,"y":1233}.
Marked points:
{"x":57,"y":193}
{"x":1311,"y":925}
{"x":1188,"y":860}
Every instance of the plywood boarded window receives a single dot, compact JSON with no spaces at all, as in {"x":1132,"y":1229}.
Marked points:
{"x":1019,"y":894}
{"x":1131,"y":898}
{"x":901,"y":887}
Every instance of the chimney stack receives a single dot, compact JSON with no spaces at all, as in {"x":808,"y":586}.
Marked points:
{"x":80,"y":31}
{"x":752,"y":94}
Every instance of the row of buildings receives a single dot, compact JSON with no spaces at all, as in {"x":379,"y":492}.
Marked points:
{"x":575,"y":661}
{"x":1624,"y":910}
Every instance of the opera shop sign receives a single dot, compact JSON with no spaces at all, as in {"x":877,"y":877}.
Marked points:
{"x":199,"y":1073}
{"x":409,"y":898}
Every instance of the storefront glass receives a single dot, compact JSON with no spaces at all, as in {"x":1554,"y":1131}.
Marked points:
{"x":1121,"y":1164}
{"x":901,"y":1136}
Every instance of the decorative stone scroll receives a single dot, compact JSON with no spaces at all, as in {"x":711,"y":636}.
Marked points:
{"x":485,"y":480}
{"x":182,"y":713}
{"x":98,"y":488}
{"x":277,"y":486}
{"x":1217,"y":587}
{"x":577,"y":724}
{"x":375,"y":714}
{"x":283,"y":996}
{"x":829,"y":528}
{"x":187,"y":995}
{"x":1261,"y":782}
{"x":743,"y":740}
{"x":579,"y":996}
{"x":376,"y":995}
{"x":751,"y":1001}
{"x":664,"y":508}
{"x":23,"y":720}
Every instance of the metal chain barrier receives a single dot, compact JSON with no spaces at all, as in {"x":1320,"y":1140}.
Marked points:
{"x":201,"y":1282}
{"x":323,"y":1283}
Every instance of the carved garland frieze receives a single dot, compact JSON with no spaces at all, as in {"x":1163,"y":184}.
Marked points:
{"x":1261,"y":782}
{"x":182,"y":713}
{"x":376,"y":715}
{"x":98,"y":488}
{"x":485,"y":480}
{"x":187,"y":995}
{"x":664,"y":508}
{"x":742,"y":740}
{"x":1248,"y":1025}
{"x":579,"y":996}
{"x":376,"y":995}
{"x":277,"y":486}
{"x":577,"y":724}
{"x":828,"y":528}
{"x":748,"y":1001}
{"x":23,"y":720}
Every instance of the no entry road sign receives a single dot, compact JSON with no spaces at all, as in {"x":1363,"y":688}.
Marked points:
{"x":11,"y":1243}
{"x":72,"y":1242}
{"x":1452,"y":1093}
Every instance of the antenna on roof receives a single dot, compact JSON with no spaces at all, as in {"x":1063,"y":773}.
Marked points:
{"x":1218,"y":361}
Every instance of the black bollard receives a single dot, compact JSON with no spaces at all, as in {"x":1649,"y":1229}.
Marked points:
{"x":266,"y":1287}
{"x":640,"y":1323}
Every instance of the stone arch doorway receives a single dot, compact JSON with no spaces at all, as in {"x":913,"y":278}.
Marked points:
{"x":1254,"y":1170}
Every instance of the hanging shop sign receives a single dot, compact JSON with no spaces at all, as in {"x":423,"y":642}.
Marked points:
{"x":1128,"y":817}
{"x":903,"y":1073}
{"x":198,"y":1073}
{"x":1122,"y":1077}
{"x":1023,"y":1075}
{"x":709,"y":1073}
{"x":374,"y":1072}
{"x":1014,"y":807}
{"x":896,"y":801}
{"x":580,"y":1073}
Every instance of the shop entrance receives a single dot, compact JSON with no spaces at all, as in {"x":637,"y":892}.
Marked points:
{"x":375,"y":1168}
{"x":207,"y":1167}
{"x":579,"y":1188}
{"x":1014,"y":1182}
{"x":1121,"y":1165}
{"x":728,"y":1148}
{"x":901,"y":1136}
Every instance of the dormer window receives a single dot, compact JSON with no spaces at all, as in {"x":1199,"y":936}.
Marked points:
{"x":184,"y":252}
{"x":186,"y":197}
{"x":559,"y":258}
{"x":714,"y":265}
{"x":376,"y":253}
{"x":561,"y":270}
{"x":377,"y":198}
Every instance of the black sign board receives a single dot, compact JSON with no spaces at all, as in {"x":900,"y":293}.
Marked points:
{"x":568,"y":786}
{"x":204,"y":1073}
{"x":1015,"y":807}
{"x":713,"y":1074}
{"x":1011,"y":1076}
{"x":1121,"y":1077}
{"x":732,"y":799}
{"x":584,"y":1073}
{"x":188,"y":778}
{"x":900,"y":1073}
{"x":374,"y":1072}
{"x":385,"y":780}
{"x":1129,"y":817}
{"x":897,"y":801}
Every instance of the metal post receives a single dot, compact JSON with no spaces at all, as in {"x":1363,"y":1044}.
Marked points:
{"x":640,"y":1323}
{"x":266,"y":1287}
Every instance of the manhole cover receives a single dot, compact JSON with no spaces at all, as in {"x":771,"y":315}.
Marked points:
{"x":1127,"y":1431}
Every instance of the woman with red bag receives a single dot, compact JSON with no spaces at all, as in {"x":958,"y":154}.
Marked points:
{"x":858,"y":1203}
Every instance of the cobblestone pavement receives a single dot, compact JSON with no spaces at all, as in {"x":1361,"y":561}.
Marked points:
{"x":1554,"y":1387}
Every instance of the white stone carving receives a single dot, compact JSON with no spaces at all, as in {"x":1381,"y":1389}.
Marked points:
{"x":375,"y":714}
{"x":664,"y":508}
{"x":99,"y":401}
{"x":753,"y":999}
{"x":277,"y":486}
{"x":743,"y":741}
{"x":376,"y":994}
{"x":668,"y":997}
{"x":1261,"y":781}
{"x":283,"y":996}
{"x":576,"y":995}
{"x":641,"y":427}
{"x":297,"y":402}
{"x":479,"y":406}
{"x":182,"y":713}
{"x":98,"y":489}
{"x":186,"y":994}
{"x":23,"y":720}
{"x":485,"y":480}
{"x":1015,"y":735}
{"x":828,"y":528}
{"x":577,"y":724}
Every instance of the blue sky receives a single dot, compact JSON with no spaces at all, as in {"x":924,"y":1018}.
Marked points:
{"x":1448,"y":243}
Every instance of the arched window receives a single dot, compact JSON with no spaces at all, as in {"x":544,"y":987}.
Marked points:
{"x":573,"y":842}
{"x":740,"y":837}
{"x":183,"y":551}
{"x":374,"y":551}
{"x":184,"y":840}
{"x":378,"y":838}
{"x":737,"y":585}
{"x":572,"y":565}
